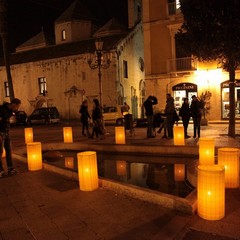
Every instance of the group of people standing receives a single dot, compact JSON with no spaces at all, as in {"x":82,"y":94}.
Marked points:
{"x":96,"y":117}
{"x":170,"y":116}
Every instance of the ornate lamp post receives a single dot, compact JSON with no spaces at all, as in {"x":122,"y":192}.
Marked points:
{"x":99,"y":60}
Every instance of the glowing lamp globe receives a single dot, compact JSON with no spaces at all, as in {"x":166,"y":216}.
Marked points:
{"x":87,"y":171}
{"x":206,"y":151}
{"x":28,"y":132}
{"x":120,"y":135}
{"x":229,"y":158}
{"x":67,"y":135}
{"x":121,"y":168}
{"x":211,"y":192}
{"x":69,"y":162}
{"x":34,"y":156}
{"x":178,"y":135}
{"x":179,"y":172}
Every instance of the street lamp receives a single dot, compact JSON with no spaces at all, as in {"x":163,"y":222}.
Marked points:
{"x":99,"y":60}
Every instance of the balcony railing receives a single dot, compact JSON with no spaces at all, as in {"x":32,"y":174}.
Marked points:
{"x":182,"y":64}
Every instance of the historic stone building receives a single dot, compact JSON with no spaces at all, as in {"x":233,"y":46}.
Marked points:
{"x":48,"y":71}
{"x":167,"y":71}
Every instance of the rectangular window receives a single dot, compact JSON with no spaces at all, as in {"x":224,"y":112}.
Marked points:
{"x":64,"y":37}
{"x":125,"y":69}
{"x":42,"y":82}
{"x":6,"y":89}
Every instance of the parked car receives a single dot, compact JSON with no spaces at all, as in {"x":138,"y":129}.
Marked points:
{"x":113,"y":114}
{"x":19,"y":118}
{"x":45,"y":115}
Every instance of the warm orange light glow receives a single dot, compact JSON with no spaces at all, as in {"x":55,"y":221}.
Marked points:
{"x":67,"y":134}
{"x":3,"y":153}
{"x":28,"y":132}
{"x":121,"y":168}
{"x":179,"y":172}
{"x":34,"y":156}
{"x":206,"y":151}
{"x":211,"y":192}
{"x":87,"y":170}
{"x":120,"y":135}
{"x":69,"y":162}
{"x":178,"y":135}
{"x":229,"y":158}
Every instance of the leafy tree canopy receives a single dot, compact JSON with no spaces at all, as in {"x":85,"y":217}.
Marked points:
{"x":211,"y":30}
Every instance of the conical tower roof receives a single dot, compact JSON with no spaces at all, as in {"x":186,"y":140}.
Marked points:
{"x":76,"y":11}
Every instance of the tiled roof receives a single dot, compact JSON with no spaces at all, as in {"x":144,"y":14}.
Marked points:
{"x":63,"y":50}
{"x":39,"y":40}
{"x":76,"y":11}
{"x":112,"y":27}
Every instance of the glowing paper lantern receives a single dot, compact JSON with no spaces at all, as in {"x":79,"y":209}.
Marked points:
{"x":211,"y":192}
{"x":28,"y":132}
{"x":120,"y":135}
{"x":229,"y":158}
{"x":121,"y":168}
{"x":69,"y":162}
{"x":3,"y":153}
{"x":178,"y":135}
{"x":67,"y":134}
{"x":179,"y":172}
{"x":206,"y":151}
{"x":34,"y":156}
{"x":87,"y":170}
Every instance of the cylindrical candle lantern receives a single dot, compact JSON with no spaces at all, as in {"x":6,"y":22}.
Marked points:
{"x":206,"y":151}
{"x":121,"y":168}
{"x":120,"y":135}
{"x":229,"y":158}
{"x":28,"y":132}
{"x":178,"y":135}
{"x":179,"y":172}
{"x":69,"y":162}
{"x":34,"y":156}
{"x":211,"y":192}
{"x":67,"y":134}
{"x":87,"y":170}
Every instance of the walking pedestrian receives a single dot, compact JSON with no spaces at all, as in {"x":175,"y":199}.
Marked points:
{"x":148,"y":105}
{"x":169,"y":111}
{"x":125,"y":108}
{"x":84,"y":117}
{"x":97,"y":119}
{"x":184,"y":113}
{"x":196,"y":114}
{"x":6,"y":111}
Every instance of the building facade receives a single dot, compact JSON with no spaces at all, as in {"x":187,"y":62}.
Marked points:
{"x":167,"y":71}
{"x":57,"y":73}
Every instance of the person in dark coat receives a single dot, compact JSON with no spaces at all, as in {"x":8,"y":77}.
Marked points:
{"x":196,"y":114}
{"x":84,"y":117}
{"x":148,"y":105}
{"x":97,"y":119}
{"x":185,"y":115}
{"x":6,"y":111}
{"x":169,"y":111}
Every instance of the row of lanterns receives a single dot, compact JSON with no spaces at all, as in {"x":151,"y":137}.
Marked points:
{"x":214,"y":178}
{"x":87,"y":161}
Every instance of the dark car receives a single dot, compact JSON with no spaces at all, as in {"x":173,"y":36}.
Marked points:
{"x":45,"y":115}
{"x":18,"y":118}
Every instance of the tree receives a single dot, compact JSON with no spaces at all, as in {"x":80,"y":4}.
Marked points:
{"x":211,"y":31}
{"x":4,"y":36}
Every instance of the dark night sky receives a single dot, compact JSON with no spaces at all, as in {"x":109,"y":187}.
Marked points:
{"x":27,"y":17}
